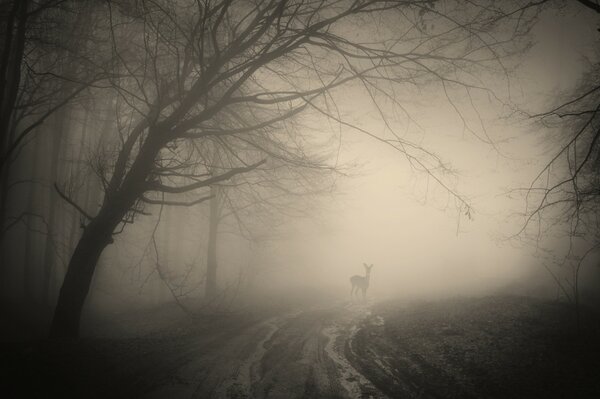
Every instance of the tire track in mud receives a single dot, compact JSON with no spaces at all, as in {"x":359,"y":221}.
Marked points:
{"x":355,"y":383}
{"x":295,"y":363}
{"x":304,"y":356}
{"x":238,"y":385}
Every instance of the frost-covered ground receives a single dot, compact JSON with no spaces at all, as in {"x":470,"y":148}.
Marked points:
{"x":494,"y":347}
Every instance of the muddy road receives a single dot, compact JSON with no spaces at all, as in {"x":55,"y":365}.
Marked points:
{"x":494,"y":347}
{"x":299,"y":354}
{"x":280,"y":353}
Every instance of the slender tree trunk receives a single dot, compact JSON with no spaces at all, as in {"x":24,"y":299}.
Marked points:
{"x":211,"y":256}
{"x":13,"y":45}
{"x":76,"y":172}
{"x":576,"y":295}
{"x":53,"y":221}
{"x":252,"y":269}
{"x":4,"y":181}
{"x":31,"y":237}
{"x":10,"y":78}
{"x":10,"y":69}
{"x":4,"y":188}
{"x":164,"y":251}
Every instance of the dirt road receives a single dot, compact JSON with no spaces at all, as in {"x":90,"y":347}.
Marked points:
{"x":493,"y":347}
{"x":295,"y":355}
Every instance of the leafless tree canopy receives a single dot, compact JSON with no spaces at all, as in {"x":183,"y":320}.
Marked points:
{"x":236,"y":73}
{"x":194,"y":95}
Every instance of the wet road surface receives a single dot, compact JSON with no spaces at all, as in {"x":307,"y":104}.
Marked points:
{"x":295,"y":355}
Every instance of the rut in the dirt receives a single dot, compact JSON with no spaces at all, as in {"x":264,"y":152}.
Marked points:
{"x":299,"y":355}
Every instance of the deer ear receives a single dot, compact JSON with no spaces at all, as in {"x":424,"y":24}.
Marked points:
{"x":365,"y":265}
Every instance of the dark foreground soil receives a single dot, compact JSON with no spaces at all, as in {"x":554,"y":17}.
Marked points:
{"x":291,"y":354}
{"x":129,"y":367}
{"x":495,"y":347}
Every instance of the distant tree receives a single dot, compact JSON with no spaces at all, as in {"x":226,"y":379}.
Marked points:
{"x":44,"y":73}
{"x":563,"y":201}
{"x":37,"y":45}
{"x":256,"y":204}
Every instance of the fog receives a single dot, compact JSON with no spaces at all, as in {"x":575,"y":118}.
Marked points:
{"x":385,"y":212}
{"x":291,"y":198}
{"x":388,"y":214}
{"x":431,"y":231}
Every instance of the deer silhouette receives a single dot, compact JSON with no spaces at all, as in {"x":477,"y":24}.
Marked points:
{"x":361,"y":283}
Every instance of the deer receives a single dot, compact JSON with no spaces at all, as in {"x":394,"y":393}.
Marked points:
{"x":361,"y":282}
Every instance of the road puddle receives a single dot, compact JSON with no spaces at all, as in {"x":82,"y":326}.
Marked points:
{"x":355,"y":383}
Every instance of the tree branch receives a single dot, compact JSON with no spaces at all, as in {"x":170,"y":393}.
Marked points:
{"x":175,"y":203}
{"x":72,"y":203}
{"x":204,"y":183}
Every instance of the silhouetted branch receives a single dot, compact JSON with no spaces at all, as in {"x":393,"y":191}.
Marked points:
{"x":204,"y":183}
{"x":175,"y":203}
{"x":72,"y":203}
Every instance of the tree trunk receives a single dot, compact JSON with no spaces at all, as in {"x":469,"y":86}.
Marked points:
{"x":96,"y":236}
{"x":10,"y":69}
{"x":211,"y":256}
{"x":53,"y":221}
{"x":13,"y":45}
{"x":4,"y":198}
{"x":76,"y":171}
{"x":31,"y":237}
{"x":162,"y":293}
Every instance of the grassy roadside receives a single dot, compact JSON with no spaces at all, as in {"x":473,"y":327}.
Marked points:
{"x":493,"y":347}
{"x":103,"y":367}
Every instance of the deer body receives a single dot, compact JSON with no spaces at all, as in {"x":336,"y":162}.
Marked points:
{"x":361,"y":283}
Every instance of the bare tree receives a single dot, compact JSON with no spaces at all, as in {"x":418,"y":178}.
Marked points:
{"x":44,"y":72}
{"x":182,"y":66}
{"x":563,"y":200}
{"x":36,"y":46}
{"x":32,"y":90}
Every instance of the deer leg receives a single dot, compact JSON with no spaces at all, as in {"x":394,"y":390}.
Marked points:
{"x":364,"y":293}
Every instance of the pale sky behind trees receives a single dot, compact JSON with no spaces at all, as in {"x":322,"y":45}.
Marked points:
{"x":392,"y":217}
{"x":387,"y":214}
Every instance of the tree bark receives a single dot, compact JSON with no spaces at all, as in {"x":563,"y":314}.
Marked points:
{"x":4,"y":188}
{"x":10,"y":77}
{"x":165,"y":249}
{"x":211,"y":256}
{"x":10,"y":67}
{"x":31,"y":237}
{"x":75,"y":173}
{"x":54,"y":222}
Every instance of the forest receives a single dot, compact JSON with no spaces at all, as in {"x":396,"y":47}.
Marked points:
{"x":299,"y":198}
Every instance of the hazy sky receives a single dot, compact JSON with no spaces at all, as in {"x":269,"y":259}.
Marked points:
{"x":389,"y":216}
{"x":396,"y":218}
